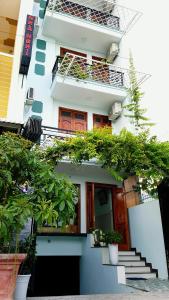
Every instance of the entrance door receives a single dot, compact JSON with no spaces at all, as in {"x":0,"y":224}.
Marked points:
{"x":72,"y":120}
{"x":106,"y":210}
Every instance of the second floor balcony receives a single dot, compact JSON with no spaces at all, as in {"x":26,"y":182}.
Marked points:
{"x":92,"y":83}
{"x":87,"y":24}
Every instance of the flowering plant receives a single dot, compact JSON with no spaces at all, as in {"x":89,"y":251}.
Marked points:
{"x":99,"y":237}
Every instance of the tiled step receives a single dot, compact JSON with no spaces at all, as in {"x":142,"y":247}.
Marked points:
{"x":137,"y":269}
{"x":129,"y":257}
{"x":141,"y":275}
{"x":127,"y":253}
{"x":133,"y":263}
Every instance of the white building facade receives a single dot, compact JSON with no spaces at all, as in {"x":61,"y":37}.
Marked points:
{"x":76,"y":80}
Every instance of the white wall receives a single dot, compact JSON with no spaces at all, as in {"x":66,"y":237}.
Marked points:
{"x":147,"y":235}
{"x":16,"y":97}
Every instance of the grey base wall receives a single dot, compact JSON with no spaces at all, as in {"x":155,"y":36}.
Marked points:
{"x":147,"y":235}
{"x":96,"y":278}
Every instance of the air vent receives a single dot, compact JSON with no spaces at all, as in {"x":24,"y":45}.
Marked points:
{"x":30,"y":96}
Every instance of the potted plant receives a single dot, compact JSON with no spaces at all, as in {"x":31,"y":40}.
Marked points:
{"x":112,"y":239}
{"x":12,"y":220}
{"x":98,"y":237}
{"x":28,"y":245}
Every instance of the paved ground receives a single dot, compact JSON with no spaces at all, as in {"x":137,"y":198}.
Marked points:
{"x":143,"y":289}
{"x":138,"y":296}
{"x":150,"y":285}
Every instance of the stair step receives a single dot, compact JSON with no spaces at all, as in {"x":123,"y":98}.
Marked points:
{"x":141,"y":275}
{"x":129,"y":257}
{"x":127,"y":253}
{"x":133,"y":263}
{"x":137,"y":269}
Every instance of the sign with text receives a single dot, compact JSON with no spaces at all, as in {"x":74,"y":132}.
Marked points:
{"x":27,"y":47}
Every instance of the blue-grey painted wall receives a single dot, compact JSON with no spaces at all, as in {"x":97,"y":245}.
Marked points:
{"x":147,"y":234}
{"x":59,"y":246}
{"x":96,"y":278}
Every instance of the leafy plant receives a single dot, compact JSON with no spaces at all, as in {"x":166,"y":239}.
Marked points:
{"x":136,"y":113}
{"x":113,"y":237}
{"x":120,"y":154}
{"x":29,"y":187}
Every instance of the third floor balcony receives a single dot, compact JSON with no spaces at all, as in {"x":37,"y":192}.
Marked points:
{"x":87,"y":24}
{"x":90,"y":82}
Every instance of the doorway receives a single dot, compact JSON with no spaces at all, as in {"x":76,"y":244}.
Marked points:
{"x":103,"y":209}
{"x":55,"y":276}
{"x":107,"y":210}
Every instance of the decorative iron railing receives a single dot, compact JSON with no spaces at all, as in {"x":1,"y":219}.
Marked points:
{"x":99,"y":12}
{"x":49,"y":134}
{"x":93,"y":71}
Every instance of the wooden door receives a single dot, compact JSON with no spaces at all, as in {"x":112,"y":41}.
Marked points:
{"x":121,"y":217}
{"x":79,"y":121}
{"x":90,"y":206}
{"x":72,"y":120}
{"x":65,"y":119}
{"x":100,"y":121}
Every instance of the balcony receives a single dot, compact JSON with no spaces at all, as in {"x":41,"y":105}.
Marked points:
{"x":90,"y":82}
{"x":49,"y":134}
{"x":87,"y":24}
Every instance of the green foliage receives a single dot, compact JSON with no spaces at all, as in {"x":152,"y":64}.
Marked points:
{"x":47,"y":197}
{"x":136,"y":113}
{"x":122,"y":155}
{"x":113,"y":237}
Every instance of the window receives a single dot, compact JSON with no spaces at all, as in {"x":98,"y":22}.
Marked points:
{"x":72,"y":120}
{"x":100,"y":121}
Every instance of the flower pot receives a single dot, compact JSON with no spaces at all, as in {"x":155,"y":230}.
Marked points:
{"x":9,"y":266}
{"x":21,"y":287}
{"x":113,"y":253}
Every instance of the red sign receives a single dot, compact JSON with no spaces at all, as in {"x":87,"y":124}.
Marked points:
{"x":27,"y":48}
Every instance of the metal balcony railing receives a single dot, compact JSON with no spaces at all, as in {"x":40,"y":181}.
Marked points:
{"x":49,"y":134}
{"x":99,"y":12}
{"x":93,"y":71}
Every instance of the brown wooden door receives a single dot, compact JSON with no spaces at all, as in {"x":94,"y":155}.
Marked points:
{"x":90,"y":206}
{"x":121,"y":217}
{"x":100,"y":121}
{"x":65,"y":119}
{"x":72,"y":120}
{"x":79,"y":121}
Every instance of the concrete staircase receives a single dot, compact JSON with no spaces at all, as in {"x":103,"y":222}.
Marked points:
{"x":136,"y":266}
